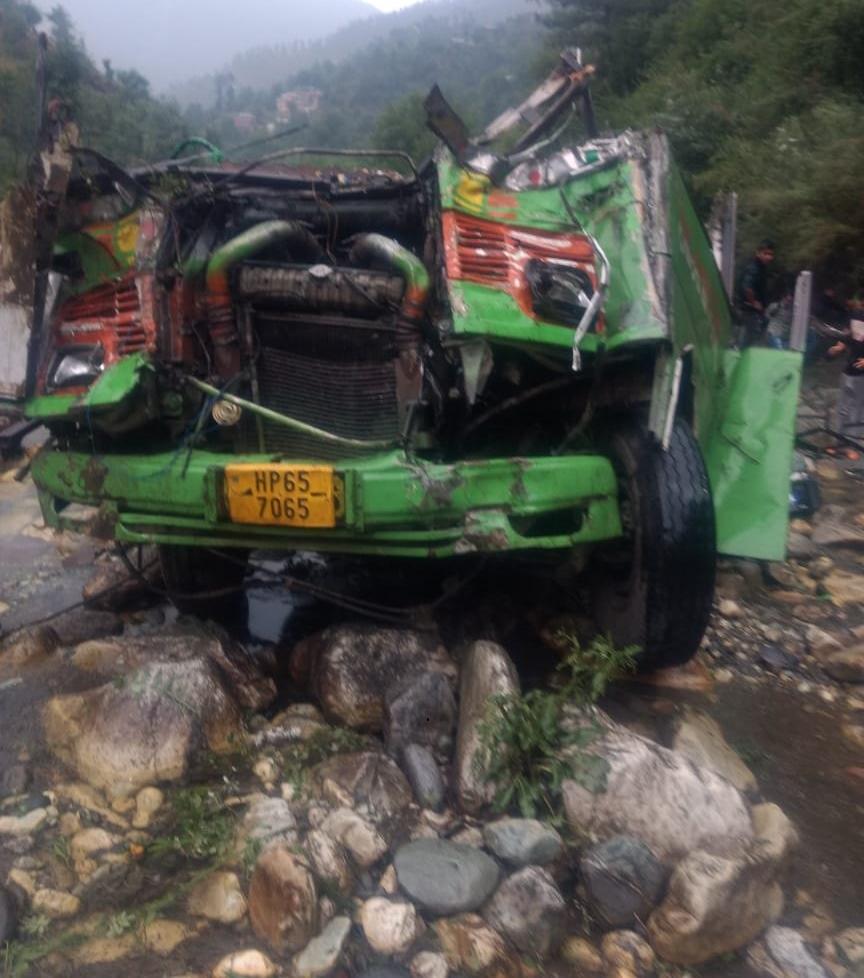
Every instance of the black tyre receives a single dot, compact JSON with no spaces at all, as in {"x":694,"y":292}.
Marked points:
{"x":204,"y":582}
{"x":655,"y":589}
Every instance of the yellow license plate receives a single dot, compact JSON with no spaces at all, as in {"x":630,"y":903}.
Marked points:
{"x":282,"y":495}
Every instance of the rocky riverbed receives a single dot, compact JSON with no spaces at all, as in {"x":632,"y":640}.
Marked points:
{"x":309,"y":794}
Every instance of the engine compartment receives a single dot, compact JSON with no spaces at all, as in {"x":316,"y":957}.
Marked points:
{"x":324,"y":300}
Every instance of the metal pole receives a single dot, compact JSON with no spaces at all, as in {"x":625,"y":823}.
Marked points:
{"x":722,"y":231}
{"x":730,"y":236}
{"x":801,"y":312}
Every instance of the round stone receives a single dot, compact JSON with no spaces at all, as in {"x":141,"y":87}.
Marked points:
{"x":523,"y":841}
{"x":444,"y":877}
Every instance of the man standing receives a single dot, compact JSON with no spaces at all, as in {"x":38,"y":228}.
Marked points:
{"x":849,"y":419}
{"x":751,"y":298}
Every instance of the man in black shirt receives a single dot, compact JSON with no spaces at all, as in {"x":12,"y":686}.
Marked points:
{"x":850,"y":407}
{"x":751,"y":297}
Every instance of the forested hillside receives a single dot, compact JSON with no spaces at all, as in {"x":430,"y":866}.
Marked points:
{"x":766,"y":99}
{"x":763,"y":98}
{"x":114,"y":109}
{"x":263,"y":66}
{"x":373,"y":97}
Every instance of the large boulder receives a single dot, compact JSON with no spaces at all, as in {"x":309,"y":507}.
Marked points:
{"x":112,"y":657}
{"x":657,"y":795}
{"x":144,"y":728}
{"x":529,"y":910}
{"x":487,"y":672}
{"x":367,"y":781}
{"x":719,"y":901}
{"x":444,"y":877}
{"x":350,"y":667}
{"x":283,"y":901}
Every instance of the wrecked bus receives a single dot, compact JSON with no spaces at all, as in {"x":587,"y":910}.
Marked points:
{"x":508,"y":349}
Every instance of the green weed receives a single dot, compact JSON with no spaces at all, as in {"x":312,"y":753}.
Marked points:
{"x":527,"y":749}
{"x":300,"y":756}
{"x":35,"y":926}
{"x":200,"y":829}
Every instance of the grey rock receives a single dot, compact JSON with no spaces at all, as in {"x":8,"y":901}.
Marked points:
{"x":787,"y":952}
{"x":269,"y":820}
{"x":800,"y":547}
{"x":420,"y":710}
{"x":444,"y":877}
{"x":624,"y":880}
{"x":776,"y":659}
{"x":14,"y":780}
{"x":8,"y":917}
{"x":656,"y":795}
{"x":322,"y":953}
{"x":528,"y":909}
{"x":85,"y":624}
{"x":523,"y":841}
{"x":423,"y":775}
{"x":487,"y":671}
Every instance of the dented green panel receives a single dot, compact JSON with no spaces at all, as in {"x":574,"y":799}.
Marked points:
{"x":607,"y":204}
{"x":116,"y":384}
{"x":749,"y":455}
{"x":393,"y":504}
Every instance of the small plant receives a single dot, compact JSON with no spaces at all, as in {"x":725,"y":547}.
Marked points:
{"x":300,"y":756}
{"x":201,"y":827}
{"x":35,"y":926}
{"x":251,"y":851}
{"x":528,"y":749}
{"x":120,"y":923}
{"x":62,"y":850}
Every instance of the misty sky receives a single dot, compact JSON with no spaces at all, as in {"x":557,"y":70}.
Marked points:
{"x":388,"y":5}
{"x":172,"y":40}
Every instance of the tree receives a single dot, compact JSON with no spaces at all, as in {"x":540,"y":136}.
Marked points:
{"x":402,"y":125}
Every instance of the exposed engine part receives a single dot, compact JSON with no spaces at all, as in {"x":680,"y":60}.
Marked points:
{"x":223,"y":331}
{"x":352,"y":291}
{"x":329,"y":372}
{"x":375,"y":249}
{"x":395,"y":216}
